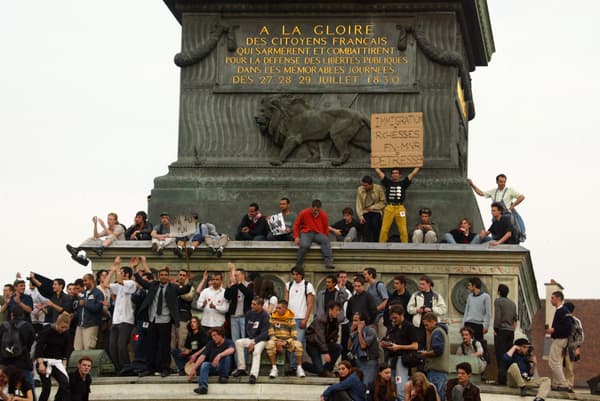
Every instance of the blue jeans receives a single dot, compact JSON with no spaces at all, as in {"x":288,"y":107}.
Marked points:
{"x":401,"y":375}
{"x":28,"y":377}
{"x":206,"y":369}
{"x":306,"y":240}
{"x":369,"y":369}
{"x":317,"y":367}
{"x":438,"y":379}
{"x":450,"y":239}
{"x":238,"y":327}
{"x":180,"y":360}
{"x":300,"y":336}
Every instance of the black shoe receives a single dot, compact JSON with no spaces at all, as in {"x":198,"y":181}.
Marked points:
{"x":538,"y":399}
{"x":146,"y":373}
{"x":154,"y":247}
{"x":200,"y":390}
{"x":73,"y":250}
{"x":523,"y":391}
{"x":223,"y":379}
{"x":99,"y":251}
{"x":239,"y":372}
{"x":252,"y":379}
{"x":178,"y":252}
{"x":182,"y":373}
{"x":219,"y":252}
{"x":164,"y":373}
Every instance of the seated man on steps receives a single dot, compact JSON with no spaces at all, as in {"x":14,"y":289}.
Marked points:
{"x":520,"y":363}
{"x":283,"y":337}
{"x":257,"y":333}
{"x":215,"y":358}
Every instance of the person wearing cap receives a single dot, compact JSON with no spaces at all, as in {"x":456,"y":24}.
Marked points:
{"x":140,"y":229}
{"x":395,"y":193}
{"x":161,"y":234}
{"x":425,"y":230}
{"x":520,"y":363}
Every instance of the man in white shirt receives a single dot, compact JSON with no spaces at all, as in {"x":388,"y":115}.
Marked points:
{"x":300,"y":295}
{"x":123,"y":313}
{"x":213,"y":304}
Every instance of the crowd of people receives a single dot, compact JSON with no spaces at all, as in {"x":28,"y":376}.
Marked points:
{"x":353,"y":328}
{"x":377,"y":207}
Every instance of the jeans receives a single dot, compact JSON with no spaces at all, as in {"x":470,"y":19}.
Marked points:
{"x":450,"y":239}
{"x":180,"y":360}
{"x":401,"y":377}
{"x":28,"y":377}
{"x":206,"y":369}
{"x":438,"y":379}
{"x":119,"y":344}
{"x":306,"y":240}
{"x":317,"y":366}
{"x":369,"y":369}
{"x":238,"y":327}
{"x":300,"y":336}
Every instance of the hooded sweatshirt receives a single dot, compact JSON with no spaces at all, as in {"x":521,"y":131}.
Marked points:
{"x":283,"y":327}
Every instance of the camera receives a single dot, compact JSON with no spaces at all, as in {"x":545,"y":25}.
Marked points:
{"x":530,"y":350}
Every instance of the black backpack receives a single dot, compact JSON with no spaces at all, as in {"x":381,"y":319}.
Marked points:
{"x":11,"y":342}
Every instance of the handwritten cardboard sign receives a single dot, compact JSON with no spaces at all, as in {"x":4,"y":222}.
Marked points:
{"x":397,"y":140}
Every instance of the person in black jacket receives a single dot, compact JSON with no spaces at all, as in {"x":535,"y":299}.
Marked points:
{"x":160,"y":307}
{"x":321,"y":340}
{"x":253,"y":227}
{"x":361,"y":302}
{"x":562,"y":325}
{"x":80,"y":380}
{"x":51,"y":355}
{"x":27,"y":335}
{"x":238,"y":291}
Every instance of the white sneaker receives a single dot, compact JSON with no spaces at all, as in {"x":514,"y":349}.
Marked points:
{"x":300,"y":372}
{"x":273,"y":373}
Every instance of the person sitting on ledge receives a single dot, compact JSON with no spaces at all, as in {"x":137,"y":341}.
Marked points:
{"x":140,"y":229}
{"x":203,"y":232}
{"x":289,"y":218}
{"x":114,"y":231}
{"x":215,"y":358}
{"x":521,"y":365}
{"x":161,"y":237}
{"x":462,"y":234}
{"x":253,"y":226}
{"x":500,"y":232}
{"x":425,"y":230}
{"x":346,"y":229}
{"x":312,"y":225}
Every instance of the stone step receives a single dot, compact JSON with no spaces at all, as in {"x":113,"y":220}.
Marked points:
{"x":280,"y":389}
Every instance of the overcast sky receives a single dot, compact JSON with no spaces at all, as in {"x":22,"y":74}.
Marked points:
{"x":89,"y":101}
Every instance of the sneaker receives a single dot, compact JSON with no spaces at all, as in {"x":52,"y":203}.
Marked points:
{"x":73,"y":250}
{"x":154,"y":247}
{"x":239,"y":372}
{"x":219,"y":252}
{"x":252,"y":379}
{"x":523,"y":391}
{"x":160,"y":250}
{"x":273,"y":373}
{"x":300,"y":372}
{"x":178,"y":251}
{"x":200,"y":390}
{"x":330,"y":265}
{"x":99,"y":251}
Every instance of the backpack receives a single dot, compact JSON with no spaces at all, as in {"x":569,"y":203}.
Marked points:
{"x":576,"y":337}
{"x":484,"y":357}
{"x":11,"y":342}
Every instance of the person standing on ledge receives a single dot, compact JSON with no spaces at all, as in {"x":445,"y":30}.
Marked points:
{"x":312,"y":225}
{"x":395,"y":193}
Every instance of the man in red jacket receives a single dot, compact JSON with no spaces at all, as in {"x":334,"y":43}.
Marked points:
{"x":312,"y":225}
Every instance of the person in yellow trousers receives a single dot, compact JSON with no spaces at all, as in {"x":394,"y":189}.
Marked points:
{"x":395,"y":194}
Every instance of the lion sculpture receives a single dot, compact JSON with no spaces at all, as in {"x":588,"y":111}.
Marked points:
{"x":290,"y":122}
